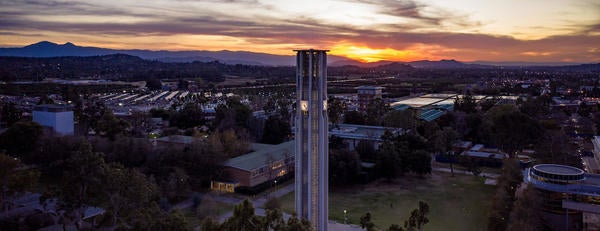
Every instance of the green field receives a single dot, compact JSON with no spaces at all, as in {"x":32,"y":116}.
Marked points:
{"x":456,"y":203}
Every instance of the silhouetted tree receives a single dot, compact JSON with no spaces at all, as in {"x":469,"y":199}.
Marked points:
{"x":335,"y":109}
{"x":14,"y":179}
{"x":354,"y":117}
{"x":21,"y":138}
{"x":153,"y":84}
{"x":276,"y":130}
{"x":10,"y":114}
{"x":443,"y":141}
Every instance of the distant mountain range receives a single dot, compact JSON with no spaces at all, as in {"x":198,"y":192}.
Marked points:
{"x":49,"y":49}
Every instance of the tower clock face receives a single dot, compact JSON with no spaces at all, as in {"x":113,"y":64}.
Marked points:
{"x":304,"y":105}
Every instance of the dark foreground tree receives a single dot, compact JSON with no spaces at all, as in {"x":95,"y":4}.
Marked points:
{"x":502,"y":203}
{"x":366,"y":223}
{"x":276,"y":130}
{"x":526,"y":211}
{"x":9,"y":114}
{"x":418,"y":217}
{"x":443,"y":141}
{"x":14,"y":179}
{"x":20,"y":138}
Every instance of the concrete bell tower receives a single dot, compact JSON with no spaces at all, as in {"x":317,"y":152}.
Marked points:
{"x":312,"y":143}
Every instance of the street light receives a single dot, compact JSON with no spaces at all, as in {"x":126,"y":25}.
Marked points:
{"x":345,"y":217}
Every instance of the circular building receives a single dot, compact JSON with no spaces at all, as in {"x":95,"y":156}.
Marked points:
{"x":560,"y":188}
{"x":557,"y":174}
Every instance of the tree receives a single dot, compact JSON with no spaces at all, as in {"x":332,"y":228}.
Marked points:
{"x":110,"y":126}
{"x":243,"y":218}
{"x":208,"y":224}
{"x":488,"y":103}
{"x":366,"y":223}
{"x":344,"y":166}
{"x":126,"y":190}
{"x":159,"y":113}
{"x":14,"y":179}
{"x":21,"y":138}
{"x":335,"y":109}
{"x":400,"y":119}
{"x":202,"y":161}
{"x":274,"y":220}
{"x":207,"y":207}
{"x":525,"y":214}
{"x":231,"y":142}
{"x":418,"y":217}
{"x":232,"y":114}
{"x":153,"y":84}
{"x":131,"y":152}
{"x":375,"y":111}
{"x":535,"y":107}
{"x":395,"y":227}
{"x":270,"y":106}
{"x":354,"y":117}
{"x":10,"y":114}
{"x":273,"y":204}
{"x":366,"y":150}
{"x":502,"y":202}
{"x":140,"y":121}
{"x":500,"y":210}
{"x":276,"y":131}
{"x":420,"y":162}
{"x":175,"y":221}
{"x":50,"y":154}
{"x":175,"y":184}
{"x":45,"y":100}
{"x":465,"y":103}
{"x":189,"y":116}
{"x":388,"y":161}
{"x":295,"y":224}
{"x":283,"y":105}
{"x":81,"y":184}
{"x":513,"y":131}
{"x":443,"y":141}
{"x":88,"y":118}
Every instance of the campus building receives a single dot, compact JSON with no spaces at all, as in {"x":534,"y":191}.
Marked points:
{"x":567,"y":194}
{"x":257,"y":170}
{"x":311,"y":138}
{"x":59,"y":117}
{"x":366,"y":94}
{"x":593,"y":162}
{"x":352,"y":134}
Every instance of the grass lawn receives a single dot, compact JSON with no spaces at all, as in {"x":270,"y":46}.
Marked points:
{"x":456,"y":203}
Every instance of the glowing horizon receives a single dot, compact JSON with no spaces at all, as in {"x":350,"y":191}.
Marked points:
{"x":363,"y":30}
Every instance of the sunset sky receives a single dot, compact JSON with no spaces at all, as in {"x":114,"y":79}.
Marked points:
{"x":366,"y":30}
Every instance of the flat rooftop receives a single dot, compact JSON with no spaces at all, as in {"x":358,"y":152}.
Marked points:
{"x":558,"y":169}
{"x":262,"y":155}
{"x":353,"y":131}
{"x":53,"y":107}
{"x":417,"y":102}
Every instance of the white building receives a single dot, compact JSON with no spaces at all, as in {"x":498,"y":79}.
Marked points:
{"x":58,"y":117}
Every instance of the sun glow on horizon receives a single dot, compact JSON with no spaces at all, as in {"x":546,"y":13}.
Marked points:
{"x":369,"y":55}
